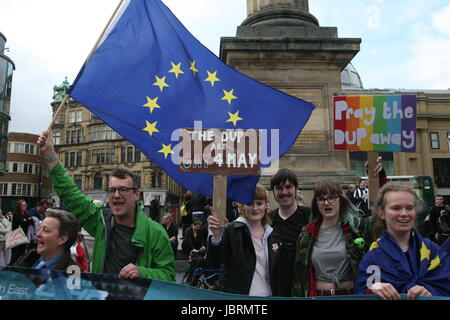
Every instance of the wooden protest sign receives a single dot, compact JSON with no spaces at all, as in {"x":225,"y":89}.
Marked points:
{"x":374,"y":181}
{"x":375,"y":123}
{"x":220,"y":152}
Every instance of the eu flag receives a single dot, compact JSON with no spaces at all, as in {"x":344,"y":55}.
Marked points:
{"x":150,"y":77}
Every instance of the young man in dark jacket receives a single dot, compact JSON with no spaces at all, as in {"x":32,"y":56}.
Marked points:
{"x":287,"y":223}
{"x":39,"y":210}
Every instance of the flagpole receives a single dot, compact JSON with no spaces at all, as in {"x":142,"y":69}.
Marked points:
{"x":66,"y":97}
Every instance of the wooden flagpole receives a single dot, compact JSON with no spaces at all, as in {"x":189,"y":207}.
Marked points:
{"x":220,"y":198}
{"x":66,"y":97}
{"x":374,"y":182}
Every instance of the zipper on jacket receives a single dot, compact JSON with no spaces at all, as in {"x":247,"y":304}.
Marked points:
{"x":106,"y":243}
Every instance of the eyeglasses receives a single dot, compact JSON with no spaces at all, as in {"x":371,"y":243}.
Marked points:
{"x":122,"y":190}
{"x":331,"y":199}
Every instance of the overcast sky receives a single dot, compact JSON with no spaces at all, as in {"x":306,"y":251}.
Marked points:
{"x":405,"y":44}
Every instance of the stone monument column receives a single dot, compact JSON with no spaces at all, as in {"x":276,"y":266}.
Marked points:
{"x":256,"y":5}
{"x":282,"y":44}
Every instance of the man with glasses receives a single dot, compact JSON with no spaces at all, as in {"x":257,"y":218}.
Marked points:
{"x":127,"y":242}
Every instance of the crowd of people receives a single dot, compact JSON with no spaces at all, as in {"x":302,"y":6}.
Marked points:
{"x":337,"y":246}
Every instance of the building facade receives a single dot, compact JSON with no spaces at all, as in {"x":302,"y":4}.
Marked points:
{"x":26,"y":177}
{"x":90,"y":150}
{"x":6,"y":72}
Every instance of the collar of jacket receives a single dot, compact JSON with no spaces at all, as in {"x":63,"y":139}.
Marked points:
{"x":139,"y":234}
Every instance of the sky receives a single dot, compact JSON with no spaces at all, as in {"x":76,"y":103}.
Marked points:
{"x":405,"y":44}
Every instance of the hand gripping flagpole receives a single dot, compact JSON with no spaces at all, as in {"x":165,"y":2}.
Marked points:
{"x":66,"y":97}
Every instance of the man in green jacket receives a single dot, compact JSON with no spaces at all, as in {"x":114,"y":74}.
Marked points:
{"x":127,"y":242}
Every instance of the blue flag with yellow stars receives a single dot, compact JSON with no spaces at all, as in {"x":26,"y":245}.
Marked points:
{"x":424,"y":264}
{"x":150,"y":77}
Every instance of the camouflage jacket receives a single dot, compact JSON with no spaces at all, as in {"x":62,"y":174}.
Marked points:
{"x":358,"y":240}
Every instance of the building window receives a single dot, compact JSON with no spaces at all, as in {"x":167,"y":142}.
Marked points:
{"x":441,"y":168}
{"x":137,"y":155}
{"x":434,"y":140}
{"x":21,"y":189}
{"x":102,"y":156}
{"x":75,"y":116}
{"x":156,"y":180}
{"x":57,"y":138}
{"x":24,"y":148}
{"x":448,"y":140}
{"x":77,"y":179}
{"x":3,"y":189}
{"x":73,"y":159}
{"x":73,"y":136}
{"x":138,"y":174}
{"x":98,"y":181}
{"x":130,"y":154}
{"x":22,"y":167}
{"x":100,"y":133}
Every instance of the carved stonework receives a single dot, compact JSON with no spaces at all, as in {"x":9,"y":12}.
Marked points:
{"x":279,"y":13}
{"x":257,"y":5}
{"x":60,"y":91}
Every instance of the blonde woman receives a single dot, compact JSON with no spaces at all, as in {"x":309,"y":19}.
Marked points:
{"x":401,"y":260}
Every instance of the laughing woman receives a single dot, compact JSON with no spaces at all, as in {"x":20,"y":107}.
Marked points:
{"x":329,"y":248}
{"x":57,"y":234}
{"x":401,"y":260}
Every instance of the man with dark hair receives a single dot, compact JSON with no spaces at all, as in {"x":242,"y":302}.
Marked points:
{"x":127,"y":242}
{"x":438,"y":215}
{"x":361,"y":196}
{"x":39,"y":210}
{"x":287,"y":223}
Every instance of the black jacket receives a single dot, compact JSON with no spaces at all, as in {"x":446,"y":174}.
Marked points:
{"x":237,"y":255}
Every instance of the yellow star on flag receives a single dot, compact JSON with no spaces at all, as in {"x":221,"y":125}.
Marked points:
{"x":229,"y":96}
{"x":161,"y":83}
{"x":193,"y":68}
{"x":234,"y":117}
{"x":434,"y":263}
{"x":151,"y":127}
{"x":152,"y":104}
{"x":176,"y":68}
{"x":424,"y":252}
{"x":166,"y":150}
{"x":212,"y":77}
